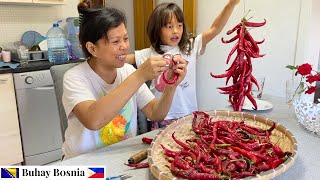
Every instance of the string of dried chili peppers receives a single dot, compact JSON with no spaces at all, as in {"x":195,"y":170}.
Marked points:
{"x":241,"y":68}
{"x":172,"y":63}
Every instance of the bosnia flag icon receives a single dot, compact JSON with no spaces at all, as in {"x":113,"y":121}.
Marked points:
{"x":96,"y":172}
{"x":9,"y":172}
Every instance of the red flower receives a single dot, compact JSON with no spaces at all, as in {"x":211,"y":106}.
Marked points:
{"x":311,"y":90}
{"x":312,"y":78}
{"x":307,"y":78}
{"x":304,"y":69}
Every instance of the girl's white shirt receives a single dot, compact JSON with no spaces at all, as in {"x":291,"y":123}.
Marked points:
{"x":185,"y":100}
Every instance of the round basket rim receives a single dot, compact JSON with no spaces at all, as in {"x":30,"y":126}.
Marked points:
{"x":264,"y":175}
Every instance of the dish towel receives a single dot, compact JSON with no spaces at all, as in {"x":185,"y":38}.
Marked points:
{"x":11,"y":65}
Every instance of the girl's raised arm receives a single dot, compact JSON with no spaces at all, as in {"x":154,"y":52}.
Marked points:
{"x":219,"y":23}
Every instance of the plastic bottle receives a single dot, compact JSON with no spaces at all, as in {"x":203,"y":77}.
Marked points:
{"x":72,"y":31}
{"x":57,"y":44}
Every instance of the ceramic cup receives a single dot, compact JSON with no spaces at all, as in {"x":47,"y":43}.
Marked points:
{"x":6,"y":56}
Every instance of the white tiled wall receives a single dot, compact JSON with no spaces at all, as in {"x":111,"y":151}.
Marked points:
{"x":16,"y":19}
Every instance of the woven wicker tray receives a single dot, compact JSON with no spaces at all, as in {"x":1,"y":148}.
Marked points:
{"x":182,"y":128}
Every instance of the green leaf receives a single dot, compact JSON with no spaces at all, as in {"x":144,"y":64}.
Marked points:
{"x":296,"y":74}
{"x":292,"y":67}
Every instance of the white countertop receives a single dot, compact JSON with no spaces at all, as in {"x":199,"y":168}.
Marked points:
{"x":306,"y":166}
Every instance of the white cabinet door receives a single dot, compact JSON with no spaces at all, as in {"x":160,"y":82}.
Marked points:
{"x":10,"y":141}
{"x":15,"y":1}
{"x":49,"y":1}
{"x":52,"y":2}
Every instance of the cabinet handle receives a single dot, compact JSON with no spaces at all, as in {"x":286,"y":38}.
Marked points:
{"x":4,"y":80}
{"x":44,"y":88}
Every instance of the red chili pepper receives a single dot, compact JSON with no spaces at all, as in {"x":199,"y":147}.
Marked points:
{"x":169,"y":152}
{"x":260,"y":42}
{"x":180,"y":173}
{"x":271,"y":128}
{"x":245,"y":153}
{"x":164,"y":74}
{"x":235,"y":47}
{"x":189,"y":154}
{"x":205,"y":169}
{"x":234,"y":29}
{"x":278,"y":150}
{"x":250,"y":52}
{"x":185,"y":146}
{"x":253,"y":42}
{"x":238,"y":163}
{"x":169,"y":159}
{"x":226,"y":74}
{"x":254,"y":80}
{"x":241,"y":38}
{"x":275,"y":163}
{"x":179,"y":163}
{"x":205,"y":176}
{"x":173,"y":79}
{"x":138,"y":165}
{"x":254,"y":24}
{"x":259,"y":155}
{"x":228,"y":166}
{"x":240,"y":175}
{"x":253,"y":101}
{"x":147,"y":140}
{"x":214,"y":134}
{"x":229,"y":88}
{"x":230,"y":40}
{"x":252,"y":130}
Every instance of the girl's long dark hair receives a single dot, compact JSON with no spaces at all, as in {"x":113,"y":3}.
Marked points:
{"x":96,"y":23}
{"x":159,"y":18}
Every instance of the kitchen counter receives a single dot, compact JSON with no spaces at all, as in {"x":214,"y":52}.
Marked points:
{"x":34,"y":66}
{"x":306,"y":166}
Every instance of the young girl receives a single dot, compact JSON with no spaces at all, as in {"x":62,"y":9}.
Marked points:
{"x":101,"y":95}
{"x":168,"y":35}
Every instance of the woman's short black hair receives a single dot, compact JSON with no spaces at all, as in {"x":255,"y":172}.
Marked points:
{"x":96,"y":23}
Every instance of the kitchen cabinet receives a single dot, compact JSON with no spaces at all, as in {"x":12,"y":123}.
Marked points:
{"x":15,"y":1}
{"x":48,"y":2}
{"x":10,"y":141}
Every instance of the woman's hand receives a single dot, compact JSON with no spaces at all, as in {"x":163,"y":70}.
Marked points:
{"x":180,"y":68}
{"x":153,"y":67}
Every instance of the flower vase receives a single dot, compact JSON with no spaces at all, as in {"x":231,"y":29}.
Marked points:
{"x":307,"y":112}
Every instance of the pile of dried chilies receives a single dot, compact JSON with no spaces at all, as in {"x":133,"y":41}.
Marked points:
{"x":241,"y":68}
{"x":224,"y":150}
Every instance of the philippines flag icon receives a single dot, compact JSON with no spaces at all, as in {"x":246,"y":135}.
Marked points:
{"x":9,"y":172}
{"x":96,"y":172}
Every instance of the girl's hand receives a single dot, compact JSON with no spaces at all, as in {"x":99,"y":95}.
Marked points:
{"x":234,"y":2}
{"x":153,"y":67}
{"x":180,"y":68}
